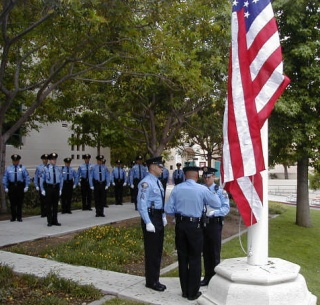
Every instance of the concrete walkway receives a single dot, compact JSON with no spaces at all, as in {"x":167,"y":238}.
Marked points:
{"x":113,"y":283}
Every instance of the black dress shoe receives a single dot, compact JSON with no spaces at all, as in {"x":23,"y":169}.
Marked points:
{"x":204,"y":282}
{"x":161,"y":285}
{"x":195,"y":297}
{"x":20,"y":220}
{"x":57,"y":224}
{"x":12,"y":219}
{"x":184,"y":295}
{"x":102,"y":215}
{"x":156,"y":287}
{"x":49,"y":225}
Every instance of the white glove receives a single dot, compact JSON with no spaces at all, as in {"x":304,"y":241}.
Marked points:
{"x":164,"y":221}
{"x":113,"y":183}
{"x":106,"y":187}
{"x":25,"y":189}
{"x":150,"y":227}
{"x":79,"y":184}
{"x":43,"y":193}
{"x":74,"y":186}
{"x":124,"y":184}
{"x":6,"y":190}
{"x":132,"y":186}
{"x":92,"y":187}
{"x":60,"y":192}
{"x":211,"y":213}
{"x":37,"y":188}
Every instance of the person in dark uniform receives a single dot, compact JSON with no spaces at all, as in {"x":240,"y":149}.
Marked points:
{"x":36,"y":180}
{"x":51,"y":183}
{"x":137,"y":173}
{"x":99,"y":183}
{"x":106,"y":190}
{"x":213,"y":225}
{"x":69,"y":176}
{"x":187,"y":202}
{"x":153,"y":220}
{"x":118,"y":179}
{"x":16,"y":181}
{"x":164,"y":177}
{"x":84,"y":172}
{"x":178,"y":175}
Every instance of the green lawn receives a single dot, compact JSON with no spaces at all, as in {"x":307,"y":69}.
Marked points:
{"x":291,"y":243}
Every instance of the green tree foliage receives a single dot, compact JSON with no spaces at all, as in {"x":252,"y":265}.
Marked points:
{"x":294,"y":126}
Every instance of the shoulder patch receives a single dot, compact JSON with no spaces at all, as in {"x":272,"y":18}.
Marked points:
{"x":144,"y":185}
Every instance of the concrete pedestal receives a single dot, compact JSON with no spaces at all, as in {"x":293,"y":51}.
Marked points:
{"x":277,"y":283}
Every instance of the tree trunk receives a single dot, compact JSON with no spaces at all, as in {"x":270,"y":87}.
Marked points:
{"x":303,"y":218}
{"x":3,"y":207}
{"x":286,"y":174}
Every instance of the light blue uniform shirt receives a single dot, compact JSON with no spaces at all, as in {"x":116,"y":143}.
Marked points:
{"x":47,"y":176}
{"x":150,"y":191}
{"x":37,"y":174}
{"x":70,"y":174}
{"x":101,"y":174}
{"x":165,"y":174}
{"x":22,"y":175}
{"x":224,"y":198}
{"x":189,"y":199}
{"x":118,"y":173}
{"x":137,"y":172}
{"x":83,"y":169}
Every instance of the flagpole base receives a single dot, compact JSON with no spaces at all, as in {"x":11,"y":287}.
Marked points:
{"x":276,"y":283}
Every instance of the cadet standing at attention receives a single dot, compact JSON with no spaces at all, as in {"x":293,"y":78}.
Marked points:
{"x":212,"y":229}
{"x":16,"y":181}
{"x":99,"y":183}
{"x":187,"y":202}
{"x":36,"y":180}
{"x":137,"y":173}
{"x":178,"y":175}
{"x":51,"y":183}
{"x":153,"y":220}
{"x":118,"y":179}
{"x":164,"y":177}
{"x":70,"y":181}
{"x":84,"y":172}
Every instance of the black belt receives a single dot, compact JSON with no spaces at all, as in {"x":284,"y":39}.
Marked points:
{"x":52,"y":185}
{"x":180,"y":218}
{"x":99,"y":182}
{"x":68,"y":181}
{"x":215,"y":219}
{"x":155,"y":211}
{"x":16,"y":183}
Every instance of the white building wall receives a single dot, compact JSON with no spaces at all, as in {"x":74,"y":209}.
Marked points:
{"x":52,"y":138}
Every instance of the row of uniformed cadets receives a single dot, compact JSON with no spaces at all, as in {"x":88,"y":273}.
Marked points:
{"x":198,"y":211}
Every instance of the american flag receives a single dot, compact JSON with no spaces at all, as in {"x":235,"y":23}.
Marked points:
{"x":255,"y":83}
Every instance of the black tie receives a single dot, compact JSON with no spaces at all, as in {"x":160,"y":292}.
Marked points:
{"x":15,"y":174}
{"x":100,"y":174}
{"x":139,"y":172}
{"x":162,"y":194}
{"x":87,"y":174}
{"x":54,"y":175}
{"x":118,"y":172}
{"x":67,"y":173}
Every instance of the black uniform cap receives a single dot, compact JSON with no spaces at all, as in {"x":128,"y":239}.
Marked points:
{"x":191,"y":169}
{"x":86,"y":156}
{"x":44,"y":157}
{"x":208,"y":171}
{"x":53,"y":156}
{"x":15,"y":157}
{"x":155,"y":160}
{"x":118,"y":162}
{"x":139,"y":157}
{"x":67,"y":160}
{"x":178,"y":164}
{"x":100,"y":157}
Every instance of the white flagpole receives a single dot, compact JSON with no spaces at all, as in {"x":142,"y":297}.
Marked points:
{"x":258,"y":234}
